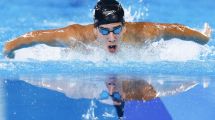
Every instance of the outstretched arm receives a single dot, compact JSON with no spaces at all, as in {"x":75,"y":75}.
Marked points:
{"x":182,"y":32}
{"x":49,"y":37}
{"x":147,"y":31}
{"x":57,"y":37}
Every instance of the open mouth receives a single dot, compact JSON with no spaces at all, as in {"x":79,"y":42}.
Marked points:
{"x":112,"y":48}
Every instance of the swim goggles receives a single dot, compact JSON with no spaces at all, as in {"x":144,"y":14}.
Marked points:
{"x":105,"y":31}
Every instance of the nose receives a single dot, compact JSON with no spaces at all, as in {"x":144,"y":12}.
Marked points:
{"x":112,"y":37}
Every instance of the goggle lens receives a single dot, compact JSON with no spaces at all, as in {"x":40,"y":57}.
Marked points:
{"x":106,"y":31}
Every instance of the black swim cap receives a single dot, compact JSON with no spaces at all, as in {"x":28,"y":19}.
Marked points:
{"x":108,"y":11}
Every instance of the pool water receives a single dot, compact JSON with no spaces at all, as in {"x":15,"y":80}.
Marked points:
{"x":44,"y":82}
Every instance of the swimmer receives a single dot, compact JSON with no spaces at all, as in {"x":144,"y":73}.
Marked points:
{"x":109,"y":30}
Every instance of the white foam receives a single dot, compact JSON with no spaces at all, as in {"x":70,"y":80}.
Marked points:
{"x":39,"y":52}
{"x":178,"y":50}
{"x":171,"y":50}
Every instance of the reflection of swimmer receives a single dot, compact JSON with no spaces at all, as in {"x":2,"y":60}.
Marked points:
{"x":124,"y":90}
{"x":109,"y":30}
{"x":112,"y":89}
{"x":131,"y":89}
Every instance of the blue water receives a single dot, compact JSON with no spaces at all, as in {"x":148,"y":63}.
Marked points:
{"x":166,"y":64}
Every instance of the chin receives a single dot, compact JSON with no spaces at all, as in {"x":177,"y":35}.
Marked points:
{"x":111,"y":51}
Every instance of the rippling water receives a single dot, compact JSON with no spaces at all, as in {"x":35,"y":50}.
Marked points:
{"x":181,"y":72}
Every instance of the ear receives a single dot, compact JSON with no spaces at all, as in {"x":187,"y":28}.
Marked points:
{"x":124,"y":29}
{"x":124,"y":38}
{"x":95,"y":31}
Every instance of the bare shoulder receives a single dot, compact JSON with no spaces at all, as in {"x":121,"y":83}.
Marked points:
{"x":79,"y":32}
{"x":141,"y":31}
{"x":79,"y":26}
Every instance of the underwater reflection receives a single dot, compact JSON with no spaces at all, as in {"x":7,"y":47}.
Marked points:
{"x":124,"y":90}
{"x":125,"y":93}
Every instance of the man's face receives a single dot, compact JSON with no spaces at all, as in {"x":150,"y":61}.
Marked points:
{"x":109,"y":35}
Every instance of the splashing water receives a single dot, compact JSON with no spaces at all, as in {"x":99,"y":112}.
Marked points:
{"x":90,"y":115}
{"x":172,"y":50}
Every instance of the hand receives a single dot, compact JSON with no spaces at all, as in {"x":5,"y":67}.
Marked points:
{"x":9,"y":55}
{"x":8,"y":50}
{"x":207,"y":30}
